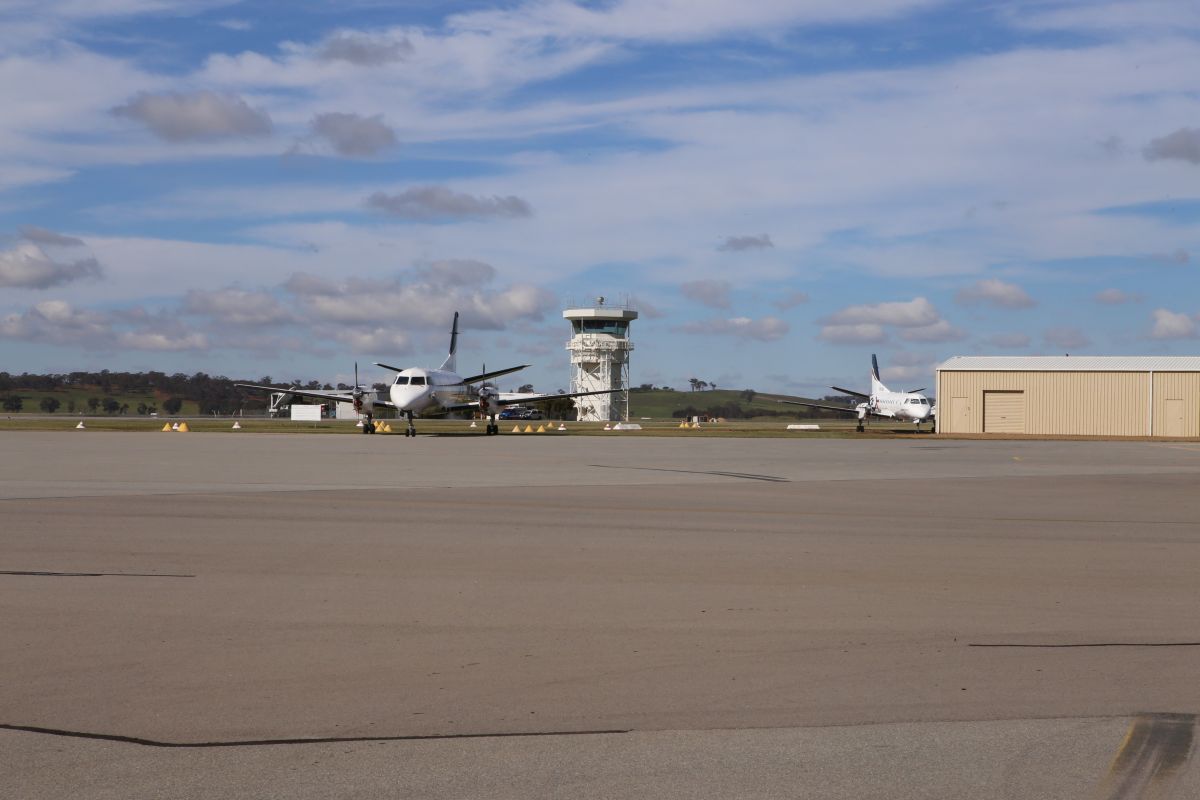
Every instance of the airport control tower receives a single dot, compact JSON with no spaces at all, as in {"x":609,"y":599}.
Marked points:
{"x":599,"y":349}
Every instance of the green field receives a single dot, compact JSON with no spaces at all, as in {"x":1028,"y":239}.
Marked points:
{"x":33,"y":398}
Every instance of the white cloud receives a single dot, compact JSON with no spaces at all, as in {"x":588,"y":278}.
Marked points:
{"x":856,"y":333}
{"x":364,"y":50}
{"x":739,"y":244}
{"x":914,"y":313}
{"x":1009,"y":341}
{"x":354,"y":135}
{"x":1172,"y":325}
{"x":1066,"y":338}
{"x":994,"y":292}
{"x":422,"y":304}
{"x":233,"y":306}
{"x":714,"y":294}
{"x":439,"y":202}
{"x":766,"y":329}
{"x":940,"y":331}
{"x":915,"y":320}
{"x":1182,"y":145}
{"x":185,"y":116}
{"x":58,"y":322}
{"x":28,"y":266}
{"x":1116,"y":297}
{"x":791,"y":300}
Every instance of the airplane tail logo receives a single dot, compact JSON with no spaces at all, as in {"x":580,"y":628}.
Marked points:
{"x":450,"y":363}
{"x":876,"y":384}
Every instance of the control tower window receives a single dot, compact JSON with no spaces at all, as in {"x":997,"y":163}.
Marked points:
{"x":611,"y":327}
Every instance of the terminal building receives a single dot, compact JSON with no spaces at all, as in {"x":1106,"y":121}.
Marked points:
{"x":1070,"y":395}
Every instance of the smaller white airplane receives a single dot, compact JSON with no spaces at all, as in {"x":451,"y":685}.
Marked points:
{"x":418,"y":390}
{"x":882,"y":402}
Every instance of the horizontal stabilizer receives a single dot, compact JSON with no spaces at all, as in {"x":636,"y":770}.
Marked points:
{"x":389,"y":366}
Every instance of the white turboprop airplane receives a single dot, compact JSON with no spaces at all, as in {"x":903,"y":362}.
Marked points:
{"x":417,"y":390}
{"x":881,"y":402}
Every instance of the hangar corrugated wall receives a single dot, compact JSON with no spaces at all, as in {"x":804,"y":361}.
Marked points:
{"x":1071,"y":396}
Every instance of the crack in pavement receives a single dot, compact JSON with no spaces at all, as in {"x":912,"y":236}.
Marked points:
{"x":143,"y":742}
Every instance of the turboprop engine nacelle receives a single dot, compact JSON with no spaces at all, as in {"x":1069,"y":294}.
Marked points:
{"x":862,"y":411}
{"x":364,"y":402}
{"x":487,"y":400}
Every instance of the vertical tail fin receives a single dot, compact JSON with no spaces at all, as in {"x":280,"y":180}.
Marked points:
{"x":451,"y":362}
{"x":876,"y":384}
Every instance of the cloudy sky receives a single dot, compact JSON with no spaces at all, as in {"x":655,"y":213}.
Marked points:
{"x":782,"y":187}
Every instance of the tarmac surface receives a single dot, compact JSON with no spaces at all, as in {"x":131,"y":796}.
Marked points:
{"x":216,"y":615}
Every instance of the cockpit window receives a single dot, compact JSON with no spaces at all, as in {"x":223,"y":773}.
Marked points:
{"x":418,"y":380}
{"x":402,"y":380}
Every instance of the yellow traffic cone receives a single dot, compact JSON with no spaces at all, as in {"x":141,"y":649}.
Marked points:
{"x":528,"y":429}
{"x":541,"y":429}
{"x":166,"y":426}
{"x":387,"y":428}
{"x":81,"y":426}
{"x":516,"y":429}
{"x":695,"y":424}
{"x":183,"y":427}
{"x":683,"y":424}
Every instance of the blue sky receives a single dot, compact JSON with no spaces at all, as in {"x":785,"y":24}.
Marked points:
{"x":782,"y":187}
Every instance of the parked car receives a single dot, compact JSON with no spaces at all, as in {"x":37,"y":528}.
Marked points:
{"x":512,"y":412}
{"x":531,"y":413}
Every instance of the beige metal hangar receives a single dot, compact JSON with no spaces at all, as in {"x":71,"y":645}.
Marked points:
{"x":1070,"y":395}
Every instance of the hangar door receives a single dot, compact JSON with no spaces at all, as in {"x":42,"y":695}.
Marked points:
{"x":1003,"y":412}
{"x":1173,"y":424}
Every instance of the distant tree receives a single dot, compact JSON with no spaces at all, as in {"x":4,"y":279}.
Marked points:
{"x":343,"y":387}
{"x":172,"y":405}
{"x":151,"y":409}
{"x":50,"y":404}
{"x":142,"y":409}
{"x":124,"y":408}
{"x":71,"y":406}
{"x":379,"y":386}
{"x":93,"y":403}
{"x":748,"y":395}
{"x":111,"y":406}
{"x":525,"y":387}
{"x":667,"y":389}
{"x":694,"y":383}
{"x":13,"y":403}
{"x":313,"y":385}
{"x":701,"y":385}
{"x":645,"y":387}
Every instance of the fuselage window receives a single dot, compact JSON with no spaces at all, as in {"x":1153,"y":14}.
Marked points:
{"x":402,"y":380}
{"x":418,"y":380}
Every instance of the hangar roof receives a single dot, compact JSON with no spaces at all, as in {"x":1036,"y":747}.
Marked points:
{"x":1072,"y":364}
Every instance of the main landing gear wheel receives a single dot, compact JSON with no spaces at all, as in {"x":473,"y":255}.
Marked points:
{"x":492,"y":429}
{"x":412,"y":429}
{"x":368,"y":427}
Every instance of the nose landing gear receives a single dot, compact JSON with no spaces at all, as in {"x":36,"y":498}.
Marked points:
{"x":411,"y":430}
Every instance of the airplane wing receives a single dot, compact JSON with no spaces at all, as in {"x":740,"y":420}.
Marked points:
{"x":487,"y":376}
{"x":529,"y":398}
{"x":843,"y":409}
{"x":851,"y":392}
{"x":330,"y":397}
